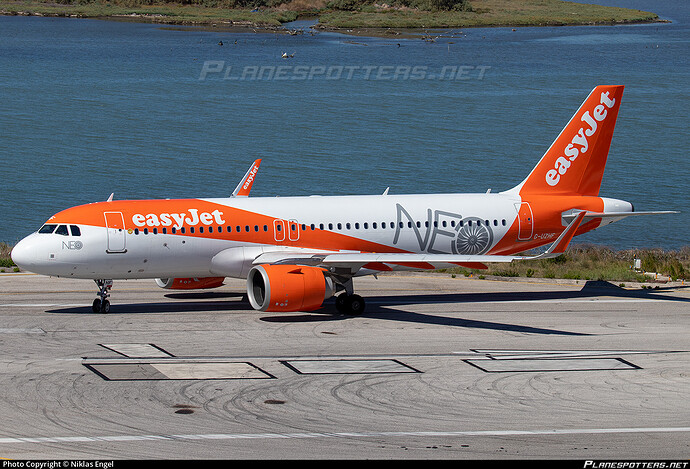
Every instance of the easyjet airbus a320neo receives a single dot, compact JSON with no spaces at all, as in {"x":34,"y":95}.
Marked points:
{"x":296,"y":252}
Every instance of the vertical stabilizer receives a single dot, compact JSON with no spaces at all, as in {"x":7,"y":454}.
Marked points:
{"x":575,"y":162}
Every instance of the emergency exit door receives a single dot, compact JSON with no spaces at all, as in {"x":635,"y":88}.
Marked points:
{"x":525,"y":221}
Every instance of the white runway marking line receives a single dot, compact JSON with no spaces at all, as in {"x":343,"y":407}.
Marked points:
{"x":138,"y":350}
{"x":399,"y":301}
{"x":533,"y":354}
{"x":42,"y":305}
{"x":268,"y":436}
{"x":18,"y":330}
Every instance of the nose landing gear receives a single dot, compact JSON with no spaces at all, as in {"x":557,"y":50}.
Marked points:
{"x":101,"y":304}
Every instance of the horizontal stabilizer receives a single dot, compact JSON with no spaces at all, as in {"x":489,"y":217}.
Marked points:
{"x":590,"y":215}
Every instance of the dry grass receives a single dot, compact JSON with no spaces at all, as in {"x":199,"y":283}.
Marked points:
{"x":360,"y":13}
{"x":589,"y":262}
{"x":303,"y":5}
{"x":167,"y":13}
{"x":486,"y":13}
{"x":5,"y":259}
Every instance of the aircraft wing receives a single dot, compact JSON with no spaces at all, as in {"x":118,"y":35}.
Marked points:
{"x":357,"y":260}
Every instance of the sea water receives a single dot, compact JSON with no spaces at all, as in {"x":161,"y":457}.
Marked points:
{"x":91,"y":107}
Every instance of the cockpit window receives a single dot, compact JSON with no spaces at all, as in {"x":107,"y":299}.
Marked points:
{"x":75,"y":230}
{"x":62,"y":230}
{"x":47,"y":229}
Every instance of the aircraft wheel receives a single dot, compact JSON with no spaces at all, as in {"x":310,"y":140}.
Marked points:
{"x":354,"y":305}
{"x":340,"y":303}
{"x":99,"y":306}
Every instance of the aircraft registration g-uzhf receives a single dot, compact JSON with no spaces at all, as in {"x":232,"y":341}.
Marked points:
{"x":296,"y":252}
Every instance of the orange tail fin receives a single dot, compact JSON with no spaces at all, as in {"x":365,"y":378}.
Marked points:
{"x":574,"y":164}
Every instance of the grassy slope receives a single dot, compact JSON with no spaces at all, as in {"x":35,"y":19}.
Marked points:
{"x":490,"y":13}
{"x":586,"y":262}
{"x":162,"y":13}
{"x":485,"y":13}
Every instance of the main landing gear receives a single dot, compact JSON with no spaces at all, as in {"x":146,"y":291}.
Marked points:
{"x":350,"y":304}
{"x":347,"y":302}
{"x":101,"y":304}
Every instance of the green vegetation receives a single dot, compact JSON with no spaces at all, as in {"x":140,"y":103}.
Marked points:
{"x":588,"y":262}
{"x":5,"y":259}
{"x":446,"y":14}
{"x":154,"y":12}
{"x":337,"y":14}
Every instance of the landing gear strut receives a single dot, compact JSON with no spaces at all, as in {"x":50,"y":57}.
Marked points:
{"x":101,"y":304}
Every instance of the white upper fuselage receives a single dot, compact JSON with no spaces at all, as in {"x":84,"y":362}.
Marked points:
{"x":179,"y":238}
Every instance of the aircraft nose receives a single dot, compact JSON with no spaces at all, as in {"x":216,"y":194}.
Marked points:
{"x":24,"y":254}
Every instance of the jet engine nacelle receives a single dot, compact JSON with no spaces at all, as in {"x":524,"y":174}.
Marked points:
{"x":288,"y":287}
{"x":190,"y":283}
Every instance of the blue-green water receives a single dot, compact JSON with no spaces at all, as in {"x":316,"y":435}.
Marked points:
{"x":91,"y":107}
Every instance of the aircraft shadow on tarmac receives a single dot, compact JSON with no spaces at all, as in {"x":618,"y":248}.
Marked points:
{"x":383,"y":307}
{"x":189,"y":303}
{"x":422,"y":318}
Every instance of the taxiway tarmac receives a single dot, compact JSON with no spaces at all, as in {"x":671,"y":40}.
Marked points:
{"x":437,"y":367}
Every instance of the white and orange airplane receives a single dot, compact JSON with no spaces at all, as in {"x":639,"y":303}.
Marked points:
{"x":296,"y":252}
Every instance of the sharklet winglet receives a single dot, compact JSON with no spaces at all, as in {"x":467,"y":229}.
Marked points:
{"x":245,"y":185}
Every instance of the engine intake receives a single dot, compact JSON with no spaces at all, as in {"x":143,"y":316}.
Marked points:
{"x":288,"y":287}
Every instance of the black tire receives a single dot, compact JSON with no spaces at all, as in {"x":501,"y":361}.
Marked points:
{"x":341,"y":303}
{"x":354,"y":305}
{"x":105,"y":307}
{"x":96,"y":306}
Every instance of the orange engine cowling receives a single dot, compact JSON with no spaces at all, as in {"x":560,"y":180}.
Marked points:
{"x":288,"y":287}
{"x":190,"y":283}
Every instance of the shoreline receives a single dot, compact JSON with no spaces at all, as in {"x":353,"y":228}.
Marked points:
{"x":378,"y":22}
